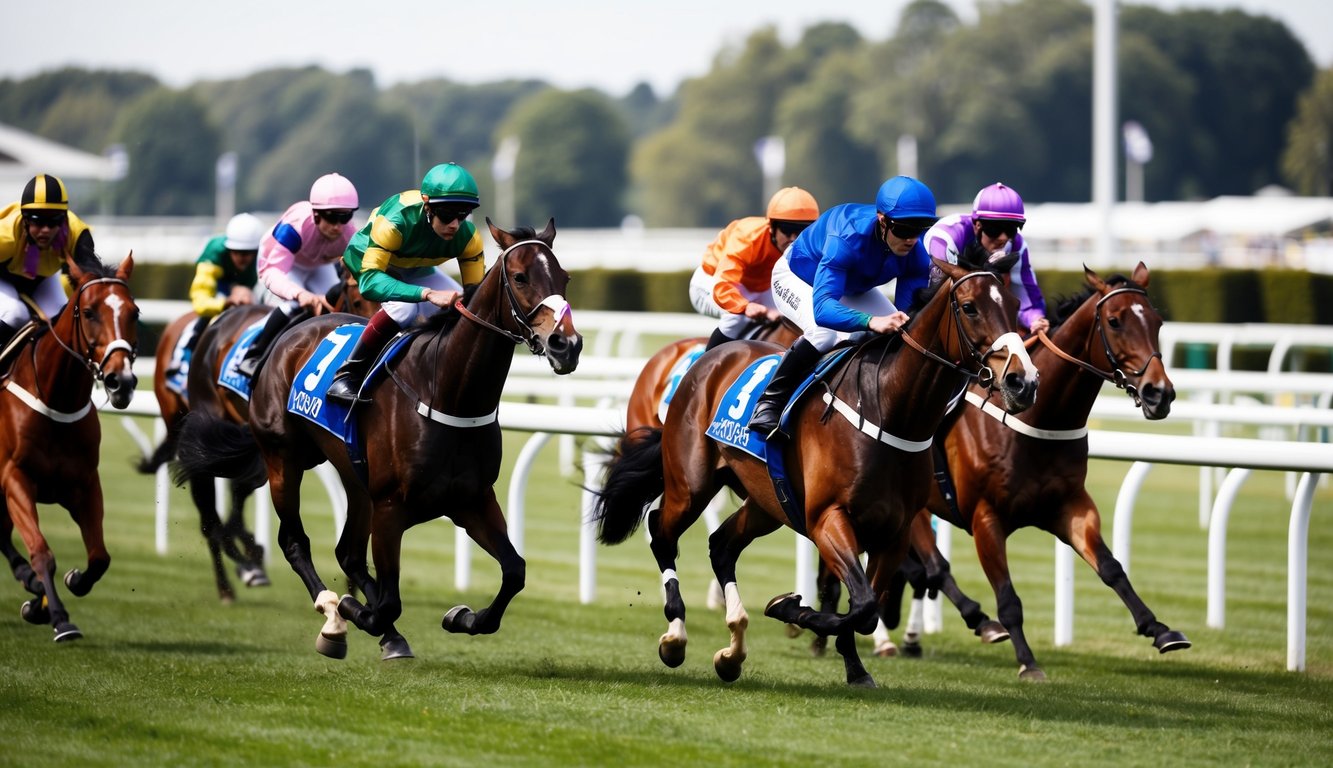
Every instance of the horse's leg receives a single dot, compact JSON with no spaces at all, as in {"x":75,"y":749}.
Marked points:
{"x":201,"y":491}
{"x":682,"y":503}
{"x":724,"y":550}
{"x":851,"y":660}
{"x":828,"y":590}
{"x":982,"y":625}
{"x":284,"y":483}
{"x":837,"y":544}
{"x":46,"y":607}
{"x":17,"y":562}
{"x":85,"y":508}
{"x":990,"y":539}
{"x":1080,"y":527}
{"x":383,"y":600}
{"x":487,"y":527}
{"x":250,"y":556}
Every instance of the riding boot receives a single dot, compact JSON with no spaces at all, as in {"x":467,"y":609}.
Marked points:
{"x":718,"y":337}
{"x":796,"y":363}
{"x":277,"y":321}
{"x":347,"y":381}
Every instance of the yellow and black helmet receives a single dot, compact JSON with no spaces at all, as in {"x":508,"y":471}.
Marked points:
{"x":45,"y":193}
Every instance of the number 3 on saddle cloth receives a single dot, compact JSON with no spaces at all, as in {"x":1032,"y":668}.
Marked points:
{"x":736,"y":406}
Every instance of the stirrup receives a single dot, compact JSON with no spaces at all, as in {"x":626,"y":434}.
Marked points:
{"x":350,"y":398}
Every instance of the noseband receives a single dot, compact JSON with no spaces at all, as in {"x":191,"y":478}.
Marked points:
{"x":1116,"y":375}
{"x":527,"y":335}
{"x":983,"y":375}
{"x":97,"y":368}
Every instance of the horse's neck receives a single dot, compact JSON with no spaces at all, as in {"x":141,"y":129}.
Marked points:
{"x":49,"y":371}
{"x":913,"y":397}
{"x":1067,"y":390}
{"x":467,"y":369}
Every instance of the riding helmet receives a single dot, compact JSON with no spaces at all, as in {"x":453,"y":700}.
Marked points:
{"x":45,"y":192}
{"x":793,"y":204}
{"x":450,"y":183}
{"x":243,"y":233}
{"x":998,"y":202}
{"x":333,"y":191}
{"x":902,"y":198}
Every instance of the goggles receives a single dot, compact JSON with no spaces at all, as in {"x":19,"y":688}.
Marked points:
{"x":45,"y":218}
{"x":450,"y":215}
{"x":907,"y":230}
{"x":791,"y":228}
{"x":993,"y":228}
{"x":335,"y":216}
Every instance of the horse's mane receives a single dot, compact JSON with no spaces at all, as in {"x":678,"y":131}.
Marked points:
{"x":1066,"y":306}
{"x":96,"y":267}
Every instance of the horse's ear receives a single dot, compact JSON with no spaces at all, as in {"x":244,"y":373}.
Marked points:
{"x":548,"y":235}
{"x":1141,"y":274}
{"x":1093,"y":280}
{"x":126,"y":267}
{"x":76,"y":272}
{"x":950,"y":270}
{"x":502,"y":238}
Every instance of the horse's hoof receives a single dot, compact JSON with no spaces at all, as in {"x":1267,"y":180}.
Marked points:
{"x":252,"y":576}
{"x":672,"y":653}
{"x":1032,"y":674}
{"x":227,"y":598}
{"x":34,"y":611}
{"x":727,"y":667}
{"x":333,"y":647}
{"x":458,"y":619}
{"x":911,"y":649}
{"x":992,"y":631}
{"x":395,"y":647}
{"x":793,"y":631}
{"x":784,"y":607}
{"x":864,"y":681}
{"x":1171,"y":641}
{"x":818,"y":646}
{"x":887,"y":650}
{"x":65,"y":632}
{"x":74,"y":581}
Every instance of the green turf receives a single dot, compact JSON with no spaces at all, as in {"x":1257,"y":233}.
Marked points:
{"x":168,"y":676}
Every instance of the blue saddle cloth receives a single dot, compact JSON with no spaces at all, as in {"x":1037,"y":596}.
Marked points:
{"x":674,"y":376}
{"x":231,"y":378}
{"x":178,"y":369}
{"x":307,"y":395}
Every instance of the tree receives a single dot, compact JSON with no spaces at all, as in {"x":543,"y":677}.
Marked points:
{"x":571,"y":164}
{"x":173,"y":148}
{"x":1307,"y":161}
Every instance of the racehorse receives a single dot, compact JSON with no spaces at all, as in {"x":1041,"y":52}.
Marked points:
{"x":857,"y":467}
{"x":50,"y":436}
{"x":435,"y":448}
{"x":224,"y":536}
{"x":1011,"y":473}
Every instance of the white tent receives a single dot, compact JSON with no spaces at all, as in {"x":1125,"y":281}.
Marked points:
{"x":24,"y":155}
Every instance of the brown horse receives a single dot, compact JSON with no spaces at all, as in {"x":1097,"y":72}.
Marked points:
{"x":435,"y":446}
{"x":50,"y":436}
{"x":227,"y":536}
{"x":1012,"y":473}
{"x":857,"y":462}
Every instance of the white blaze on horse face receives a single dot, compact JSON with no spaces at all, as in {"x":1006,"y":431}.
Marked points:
{"x":117,"y":306}
{"x":995,"y":295}
{"x":1012,"y":342}
{"x":559,"y":307}
{"x":1139,"y":311}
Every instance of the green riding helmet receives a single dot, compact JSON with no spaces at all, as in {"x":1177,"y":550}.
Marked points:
{"x":449,"y":183}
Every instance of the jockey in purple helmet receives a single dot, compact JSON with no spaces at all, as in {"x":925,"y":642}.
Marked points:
{"x":991,"y":231}
{"x":827,"y":282}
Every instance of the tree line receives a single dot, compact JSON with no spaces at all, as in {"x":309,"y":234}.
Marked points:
{"x":1231,"y":100}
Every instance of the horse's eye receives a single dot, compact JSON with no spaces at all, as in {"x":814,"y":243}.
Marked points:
{"x":969,"y":309}
{"x":1114,"y":322}
{"x":520,"y":278}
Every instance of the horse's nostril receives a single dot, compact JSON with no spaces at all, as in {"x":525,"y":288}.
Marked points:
{"x":556,"y":343}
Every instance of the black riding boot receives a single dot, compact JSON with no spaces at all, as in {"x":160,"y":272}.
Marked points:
{"x":796,"y":364}
{"x":273,"y":327}
{"x":347,"y":381}
{"x":718,"y":337}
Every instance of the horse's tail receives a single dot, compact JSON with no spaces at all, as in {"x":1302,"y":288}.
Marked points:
{"x":212,"y":447}
{"x":165,"y":451}
{"x":633,"y":479}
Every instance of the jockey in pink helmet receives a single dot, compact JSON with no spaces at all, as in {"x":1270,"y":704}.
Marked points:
{"x":991,"y":232}
{"x":297,"y":258}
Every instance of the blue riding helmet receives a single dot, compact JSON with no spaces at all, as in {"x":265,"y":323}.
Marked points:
{"x":903,"y":197}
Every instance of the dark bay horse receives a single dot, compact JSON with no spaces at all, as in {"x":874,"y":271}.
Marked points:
{"x":50,"y":436}
{"x":227,"y":535}
{"x":435,"y":446}
{"x":1015,"y":472}
{"x":857,"y":461}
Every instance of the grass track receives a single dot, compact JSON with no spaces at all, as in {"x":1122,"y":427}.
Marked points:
{"x":167,"y":676}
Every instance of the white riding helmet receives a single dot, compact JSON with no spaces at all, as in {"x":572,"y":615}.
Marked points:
{"x":243,"y":232}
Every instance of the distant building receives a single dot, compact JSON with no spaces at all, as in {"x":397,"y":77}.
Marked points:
{"x":24,"y":155}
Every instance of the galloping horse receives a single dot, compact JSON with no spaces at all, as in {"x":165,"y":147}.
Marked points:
{"x":857,"y":464}
{"x":434,"y":449}
{"x":224,"y":536}
{"x":1011,"y":473}
{"x":50,"y":436}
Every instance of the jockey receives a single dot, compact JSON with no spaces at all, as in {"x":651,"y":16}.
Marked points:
{"x":297,"y":257}
{"x":827,"y":281}
{"x":38,"y":235}
{"x":733,"y":282}
{"x":394,"y":259}
{"x":991,"y":230}
{"x":224,"y":276}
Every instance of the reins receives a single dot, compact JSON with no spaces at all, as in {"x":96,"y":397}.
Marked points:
{"x":1116,"y":375}
{"x":528,"y":335}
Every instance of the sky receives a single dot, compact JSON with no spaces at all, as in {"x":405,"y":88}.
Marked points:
{"x":611,"y":45}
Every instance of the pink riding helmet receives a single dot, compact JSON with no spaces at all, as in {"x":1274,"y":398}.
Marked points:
{"x":333,"y":191}
{"x":998,"y":202}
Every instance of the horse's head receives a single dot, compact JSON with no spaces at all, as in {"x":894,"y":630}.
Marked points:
{"x":985,"y":316}
{"x":106,"y":327}
{"x":533,"y":285}
{"x":1128,"y":327}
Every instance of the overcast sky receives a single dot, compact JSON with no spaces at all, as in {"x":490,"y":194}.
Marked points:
{"x":608,"y":44}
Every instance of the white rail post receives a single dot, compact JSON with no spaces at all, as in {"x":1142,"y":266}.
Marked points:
{"x":1298,"y":551}
{"x":1122,"y":524}
{"x":1217,"y":546}
{"x":1064,"y":594}
{"x":593,"y":461}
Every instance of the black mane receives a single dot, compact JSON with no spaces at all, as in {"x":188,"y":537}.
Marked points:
{"x":1066,"y":306}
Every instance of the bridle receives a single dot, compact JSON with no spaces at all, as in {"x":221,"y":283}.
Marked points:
{"x":527,"y":334}
{"x":1117,"y":374}
{"x":96,"y":367}
{"x":982,"y":374}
